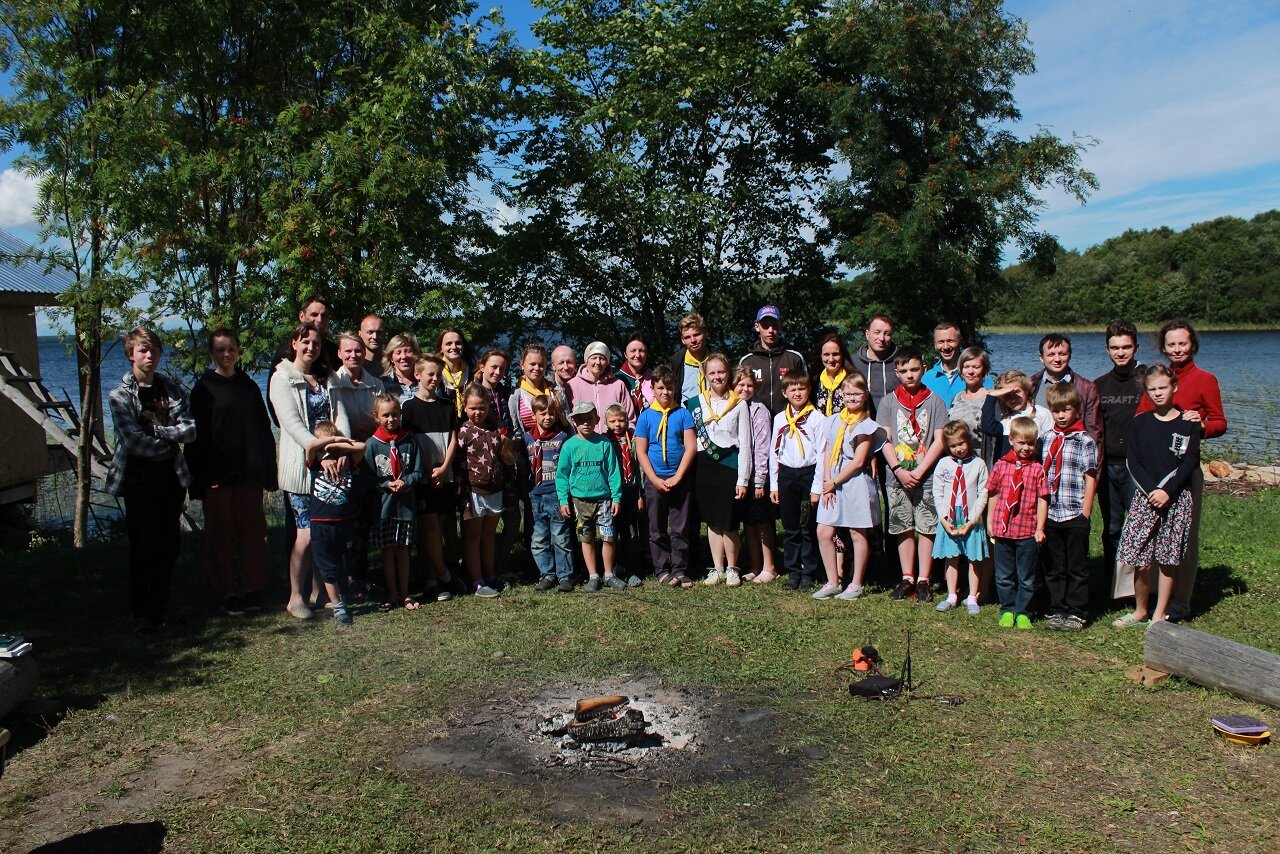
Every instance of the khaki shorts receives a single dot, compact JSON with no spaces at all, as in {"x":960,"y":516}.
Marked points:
{"x":912,"y":510}
{"x":594,"y":520}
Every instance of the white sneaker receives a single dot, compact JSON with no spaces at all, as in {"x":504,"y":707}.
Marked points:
{"x":714,"y":577}
{"x":850,"y":593}
{"x":731,"y":577}
{"x":826,"y":591}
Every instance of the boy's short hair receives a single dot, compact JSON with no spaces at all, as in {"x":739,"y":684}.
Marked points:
{"x":1024,"y":429}
{"x":540,"y":404}
{"x":326,"y":430}
{"x":1121,"y":328}
{"x":1054,"y":339}
{"x":957,"y":429}
{"x":614,"y":409}
{"x":664,"y":375}
{"x":693,"y":320}
{"x":907,"y":354}
{"x":883,"y":318}
{"x":320,"y":298}
{"x":141,"y":334}
{"x":798,"y":378}
{"x":348,"y":335}
{"x":1062,"y":395}
{"x":428,"y":359}
{"x":742,"y":372}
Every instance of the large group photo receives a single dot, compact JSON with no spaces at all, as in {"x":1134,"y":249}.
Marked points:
{"x":585,"y":425}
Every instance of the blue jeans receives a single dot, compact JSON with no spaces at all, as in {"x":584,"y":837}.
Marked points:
{"x":1016,"y":573}
{"x":550,"y":542}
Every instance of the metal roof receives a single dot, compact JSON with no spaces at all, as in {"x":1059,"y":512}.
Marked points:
{"x":28,"y":276}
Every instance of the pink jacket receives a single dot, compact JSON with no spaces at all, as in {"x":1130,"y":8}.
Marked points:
{"x":603,"y":393}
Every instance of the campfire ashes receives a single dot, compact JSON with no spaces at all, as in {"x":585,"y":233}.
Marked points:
{"x":608,"y":751}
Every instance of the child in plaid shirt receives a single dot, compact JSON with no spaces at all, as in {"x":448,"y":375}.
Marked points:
{"x":1016,"y":513}
{"x":1070,"y":459}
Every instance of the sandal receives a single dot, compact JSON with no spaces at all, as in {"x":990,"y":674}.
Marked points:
{"x":764,"y":577}
{"x":387,"y":607}
{"x":411,"y":604}
{"x":663,"y":578}
{"x":681,"y":580}
{"x":1128,"y":621}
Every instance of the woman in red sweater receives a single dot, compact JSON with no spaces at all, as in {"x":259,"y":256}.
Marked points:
{"x":1200,"y":399}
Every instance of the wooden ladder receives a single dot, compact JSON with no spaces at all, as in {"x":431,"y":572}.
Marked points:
{"x":29,"y":393}
{"x":61,"y":423}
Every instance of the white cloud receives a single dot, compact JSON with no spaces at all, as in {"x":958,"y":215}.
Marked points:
{"x":18,"y":196}
{"x":1178,"y":93}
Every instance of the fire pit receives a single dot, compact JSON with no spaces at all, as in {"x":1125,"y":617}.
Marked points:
{"x":614,"y":730}
{"x":607,"y":750}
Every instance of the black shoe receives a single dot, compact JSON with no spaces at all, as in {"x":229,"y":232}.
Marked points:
{"x":233,"y":606}
{"x":906,"y":589}
{"x":250,"y":602}
{"x":545,"y":583}
{"x":792,"y":583}
{"x":565,"y":585}
{"x":924,"y":592}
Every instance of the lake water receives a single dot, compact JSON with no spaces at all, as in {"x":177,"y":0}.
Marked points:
{"x":1242,"y":362}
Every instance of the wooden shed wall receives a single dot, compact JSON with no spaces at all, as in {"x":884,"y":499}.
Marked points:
{"x":22,"y":442}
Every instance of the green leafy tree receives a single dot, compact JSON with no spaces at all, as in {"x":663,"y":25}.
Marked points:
{"x":669,"y":163}
{"x":80,"y":121}
{"x":922,"y":94}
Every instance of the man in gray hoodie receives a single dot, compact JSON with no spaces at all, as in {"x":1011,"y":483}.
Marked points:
{"x":874,"y":359}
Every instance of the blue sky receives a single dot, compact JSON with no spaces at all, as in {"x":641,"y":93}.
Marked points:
{"x":1181,"y":95}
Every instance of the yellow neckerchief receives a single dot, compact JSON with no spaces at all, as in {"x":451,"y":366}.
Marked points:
{"x":525,"y":385}
{"x":733,"y":399}
{"x":847,"y":419}
{"x":454,"y":379}
{"x":793,"y":427}
{"x":692,"y":361}
{"x":831,"y":386}
{"x":662,"y":425}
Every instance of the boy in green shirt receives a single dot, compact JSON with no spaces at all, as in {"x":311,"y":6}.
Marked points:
{"x":589,"y":487}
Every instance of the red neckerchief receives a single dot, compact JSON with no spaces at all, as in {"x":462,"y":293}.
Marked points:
{"x":390,"y":438}
{"x":535,"y":462}
{"x":911,"y":402}
{"x":1015,"y":491}
{"x":1053,"y":462}
{"x":624,"y":444}
{"x":959,"y":496}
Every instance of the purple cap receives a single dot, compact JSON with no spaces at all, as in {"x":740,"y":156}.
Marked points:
{"x":769,"y":311}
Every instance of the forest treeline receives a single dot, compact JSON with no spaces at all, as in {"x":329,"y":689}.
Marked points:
{"x":1226,"y":270}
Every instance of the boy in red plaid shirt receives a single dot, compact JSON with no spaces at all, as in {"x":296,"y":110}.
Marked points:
{"x":1016,"y":515}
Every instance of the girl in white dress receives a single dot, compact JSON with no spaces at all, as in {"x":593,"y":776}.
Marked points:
{"x":843,"y":486}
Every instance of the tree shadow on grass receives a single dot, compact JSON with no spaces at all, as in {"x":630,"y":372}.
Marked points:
{"x":139,"y":837}
{"x":73,"y":606}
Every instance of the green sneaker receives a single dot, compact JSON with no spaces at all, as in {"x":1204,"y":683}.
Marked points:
{"x":1024,"y":622}
{"x":1006,"y":620}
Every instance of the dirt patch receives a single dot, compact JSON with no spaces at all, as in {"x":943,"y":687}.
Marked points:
{"x":698,"y":735}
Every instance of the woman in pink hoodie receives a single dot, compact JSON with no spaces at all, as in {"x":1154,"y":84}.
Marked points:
{"x":597,"y":383}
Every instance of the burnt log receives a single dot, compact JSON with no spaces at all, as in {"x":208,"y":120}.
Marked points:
{"x":628,"y":726}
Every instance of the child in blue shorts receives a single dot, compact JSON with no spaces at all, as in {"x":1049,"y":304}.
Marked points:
{"x":589,"y":487}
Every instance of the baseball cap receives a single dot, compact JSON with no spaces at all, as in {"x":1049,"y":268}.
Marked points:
{"x":582,"y":407}
{"x":769,"y":311}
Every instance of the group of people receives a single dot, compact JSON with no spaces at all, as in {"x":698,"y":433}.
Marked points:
{"x":383,"y":445}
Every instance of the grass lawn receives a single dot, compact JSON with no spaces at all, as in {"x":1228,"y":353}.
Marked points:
{"x":268,"y":734}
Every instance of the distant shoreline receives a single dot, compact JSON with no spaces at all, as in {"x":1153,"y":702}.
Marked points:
{"x":1015,"y":329}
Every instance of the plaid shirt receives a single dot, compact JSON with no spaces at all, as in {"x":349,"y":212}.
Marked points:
{"x":1021,"y":524}
{"x":1079,"y":457}
{"x":155,"y":442}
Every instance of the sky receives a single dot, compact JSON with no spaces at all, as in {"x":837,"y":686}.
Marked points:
{"x":1181,"y":96}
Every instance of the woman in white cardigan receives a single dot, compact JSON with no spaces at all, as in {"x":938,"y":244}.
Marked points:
{"x":722,"y":423}
{"x":301,"y":396}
